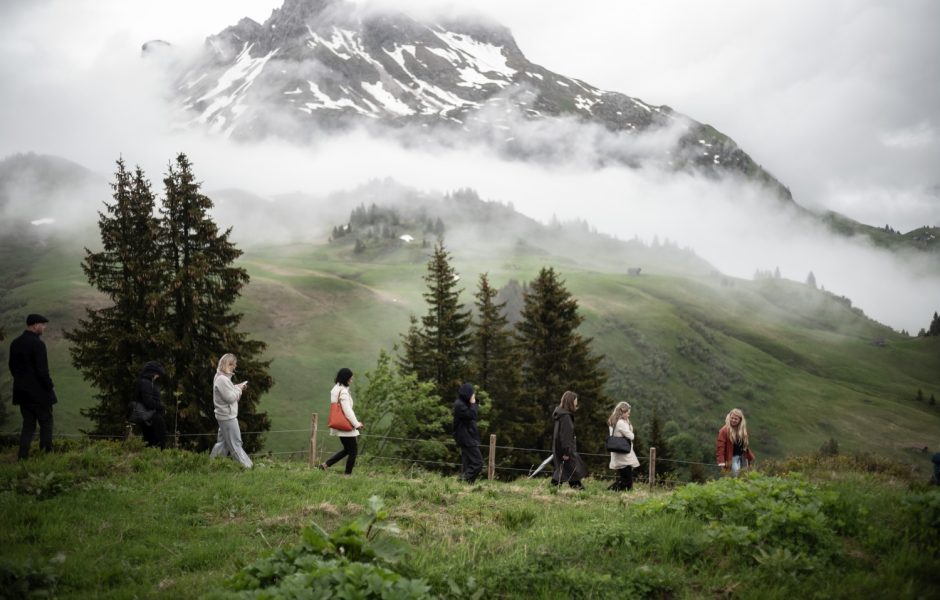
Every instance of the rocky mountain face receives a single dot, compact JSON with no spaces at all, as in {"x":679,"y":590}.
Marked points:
{"x":319,"y":65}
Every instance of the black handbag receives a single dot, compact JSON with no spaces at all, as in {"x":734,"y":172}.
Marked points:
{"x":139,"y":414}
{"x":619,"y":445}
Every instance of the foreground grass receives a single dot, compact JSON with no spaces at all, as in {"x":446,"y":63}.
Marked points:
{"x":119,"y":521}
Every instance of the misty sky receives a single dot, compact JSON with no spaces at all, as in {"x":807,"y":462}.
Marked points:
{"x":840,"y":100}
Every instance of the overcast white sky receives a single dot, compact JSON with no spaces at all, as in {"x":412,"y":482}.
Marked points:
{"x":838,"y":99}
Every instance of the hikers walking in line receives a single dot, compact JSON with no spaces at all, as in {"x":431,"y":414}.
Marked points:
{"x":466,"y":434}
{"x":32,"y":386}
{"x":340,"y":394}
{"x":622,"y":463}
{"x":148,"y":394}
{"x":733,"y":447}
{"x":569,"y":467}
{"x":225,"y":397}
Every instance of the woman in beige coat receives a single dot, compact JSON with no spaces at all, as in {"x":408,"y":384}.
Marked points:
{"x":340,"y":393}
{"x":623,"y":463}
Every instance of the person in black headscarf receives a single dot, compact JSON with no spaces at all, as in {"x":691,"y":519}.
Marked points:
{"x":466,"y":434}
{"x":148,"y":394}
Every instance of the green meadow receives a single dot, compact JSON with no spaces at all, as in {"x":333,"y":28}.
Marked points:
{"x":804,"y":365}
{"x":116,"y":520}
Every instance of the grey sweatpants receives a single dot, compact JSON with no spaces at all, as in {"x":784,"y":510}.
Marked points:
{"x":229,"y":443}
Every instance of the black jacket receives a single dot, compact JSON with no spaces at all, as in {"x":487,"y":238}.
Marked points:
{"x":466,"y":433}
{"x":148,"y":392}
{"x":29,"y":366}
{"x":564,"y":444}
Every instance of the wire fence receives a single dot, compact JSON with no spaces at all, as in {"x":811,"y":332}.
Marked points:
{"x":316,"y":446}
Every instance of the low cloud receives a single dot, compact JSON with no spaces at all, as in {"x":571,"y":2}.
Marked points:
{"x":112,"y":102}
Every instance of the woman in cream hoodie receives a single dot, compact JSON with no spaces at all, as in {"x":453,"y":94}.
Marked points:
{"x":225,"y":396}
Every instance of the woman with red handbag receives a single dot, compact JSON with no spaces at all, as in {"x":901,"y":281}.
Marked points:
{"x":343,"y":422}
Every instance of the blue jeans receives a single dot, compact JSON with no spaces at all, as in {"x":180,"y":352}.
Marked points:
{"x":738,"y":463}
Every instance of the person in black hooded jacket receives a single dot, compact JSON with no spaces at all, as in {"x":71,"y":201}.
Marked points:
{"x":466,"y":434}
{"x":569,"y":466}
{"x":148,"y":394}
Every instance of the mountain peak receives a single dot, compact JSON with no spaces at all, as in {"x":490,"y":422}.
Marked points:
{"x":328,"y":64}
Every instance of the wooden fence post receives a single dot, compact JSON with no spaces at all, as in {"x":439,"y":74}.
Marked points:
{"x":652,"y":468}
{"x":491,"y":467}
{"x":312,"y":460}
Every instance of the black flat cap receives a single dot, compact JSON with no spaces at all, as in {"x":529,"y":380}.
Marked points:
{"x":34,"y":318}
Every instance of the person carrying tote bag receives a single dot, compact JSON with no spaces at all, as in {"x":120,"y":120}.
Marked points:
{"x":340,"y":396}
{"x":623,"y":463}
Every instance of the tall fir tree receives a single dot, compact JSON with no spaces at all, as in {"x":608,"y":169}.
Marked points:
{"x":556,"y":358}
{"x":657,"y":439}
{"x":493,"y":361}
{"x":934,"y":325}
{"x":411,"y":359}
{"x":200,"y":326}
{"x":445,"y":331}
{"x":4,"y":409}
{"x":111,"y":344}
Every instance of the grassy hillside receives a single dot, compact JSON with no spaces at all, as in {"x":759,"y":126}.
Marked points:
{"x":805,"y":366}
{"x":112,"y":520}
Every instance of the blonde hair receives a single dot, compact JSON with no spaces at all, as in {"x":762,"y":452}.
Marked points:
{"x":619,"y":410}
{"x":567,"y":401}
{"x":738,"y":434}
{"x":226,"y":359}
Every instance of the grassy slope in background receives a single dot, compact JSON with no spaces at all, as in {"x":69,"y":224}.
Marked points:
{"x":803,"y":365}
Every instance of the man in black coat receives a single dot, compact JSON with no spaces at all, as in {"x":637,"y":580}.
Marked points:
{"x":32,"y":387}
{"x":466,"y":434}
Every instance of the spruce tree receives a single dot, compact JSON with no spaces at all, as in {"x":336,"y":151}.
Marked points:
{"x":111,"y":344}
{"x":412,"y":359}
{"x":494,"y":364}
{"x":4,"y":410}
{"x":656,"y":439}
{"x":200,"y":326}
{"x":555,"y":358}
{"x":445,"y":329}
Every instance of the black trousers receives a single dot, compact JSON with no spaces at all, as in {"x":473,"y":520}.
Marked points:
{"x":32,"y":414}
{"x":624,"y":479}
{"x":155,"y":432}
{"x":471,"y":460}
{"x":350,"y":450}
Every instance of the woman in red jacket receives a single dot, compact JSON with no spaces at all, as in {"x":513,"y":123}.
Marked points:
{"x":733,"y":450}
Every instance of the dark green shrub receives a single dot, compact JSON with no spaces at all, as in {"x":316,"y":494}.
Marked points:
{"x":754,"y":516}
{"x":352,"y":562}
{"x":27,"y":580}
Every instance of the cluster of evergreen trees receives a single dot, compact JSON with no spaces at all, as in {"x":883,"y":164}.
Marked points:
{"x":169,"y":277}
{"x":523,"y":369}
{"x":934,"y":328}
{"x":379,"y":223}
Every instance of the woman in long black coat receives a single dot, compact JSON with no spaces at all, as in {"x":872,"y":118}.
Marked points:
{"x":466,"y":434}
{"x":148,"y":394}
{"x":569,"y":467}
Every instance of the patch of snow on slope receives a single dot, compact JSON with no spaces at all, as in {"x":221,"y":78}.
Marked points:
{"x":432,"y":98}
{"x":386,"y":99}
{"x":245,"y":70}
{"x":485,"y":58}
